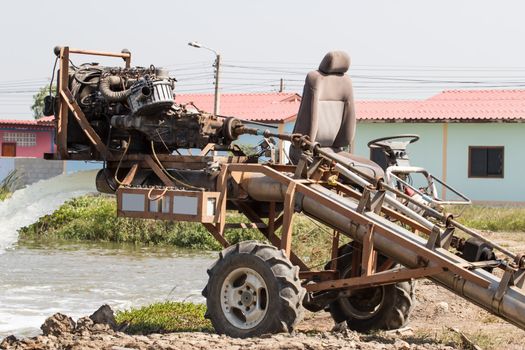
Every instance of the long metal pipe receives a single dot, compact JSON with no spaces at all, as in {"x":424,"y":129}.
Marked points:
{"x":346,"y":168}
{"x":510,"y":307}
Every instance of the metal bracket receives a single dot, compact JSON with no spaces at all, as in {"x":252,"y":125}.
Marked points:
{"x":301,"y":169}
{"x":434,"y":239}
{"x":446,"y":237}
{"x":369,"y":203}
{"x":504,"y":284}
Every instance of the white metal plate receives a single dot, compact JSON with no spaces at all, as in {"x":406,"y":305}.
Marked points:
{"x":185,"y":205}
{"x":133,"y":202}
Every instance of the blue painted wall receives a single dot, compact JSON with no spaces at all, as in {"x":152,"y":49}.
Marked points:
{"x":510,"y":135}
{"x":428,"y":153}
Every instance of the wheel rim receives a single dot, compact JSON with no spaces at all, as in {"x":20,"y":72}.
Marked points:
{"x":244,"y":298}
{"x":364,"y":303}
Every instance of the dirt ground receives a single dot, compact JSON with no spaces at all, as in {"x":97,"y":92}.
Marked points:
{"x":439,"y":314}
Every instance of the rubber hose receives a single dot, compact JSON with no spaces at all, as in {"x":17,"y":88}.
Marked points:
{"x":105,"y":86}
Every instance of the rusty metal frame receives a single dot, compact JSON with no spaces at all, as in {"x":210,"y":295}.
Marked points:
{"x":367,"y":257}
{"x":67,"y":103}
{"x":366,"y":271}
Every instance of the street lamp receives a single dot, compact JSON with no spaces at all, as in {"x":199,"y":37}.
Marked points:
{"x":217,"y":65}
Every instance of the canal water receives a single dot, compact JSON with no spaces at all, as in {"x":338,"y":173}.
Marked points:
{"x":37,"y":280}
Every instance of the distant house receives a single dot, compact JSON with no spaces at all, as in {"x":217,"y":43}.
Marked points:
{"x":472,"y":139}
{"x":27,"y":138}
{"x":22,"y":146}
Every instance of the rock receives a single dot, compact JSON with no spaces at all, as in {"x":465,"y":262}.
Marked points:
{"x":58,"y":324}
{"x":104,"y":315}
{"x":441,"y":308}
{"x":400,"y":344}
{"x":84,"y":325}
{"x":9,"y":340}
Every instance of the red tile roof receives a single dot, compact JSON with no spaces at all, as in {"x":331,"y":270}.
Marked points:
{"x":453,"y":105}
{"x":266,"y":107}
{"x":44,"y":121}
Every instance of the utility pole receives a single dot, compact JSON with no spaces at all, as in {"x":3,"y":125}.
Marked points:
{"x":217,"y":100}
{"x":217,"y":65}
{"x":281,"y":85}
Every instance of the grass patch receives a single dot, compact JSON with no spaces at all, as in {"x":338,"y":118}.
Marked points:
{"x":165,"y":317}
{"x":510,"y":219}
{"x":8,"y":185}
{"x":452,"y":338}
{"x":94,"y":218}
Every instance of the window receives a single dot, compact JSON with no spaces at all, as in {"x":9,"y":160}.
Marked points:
{"x":485,"y":161}
{"x":378,"y":156}
{"x":22,"y":139}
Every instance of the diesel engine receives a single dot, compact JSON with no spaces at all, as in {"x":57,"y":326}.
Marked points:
{"x":134,"y":108}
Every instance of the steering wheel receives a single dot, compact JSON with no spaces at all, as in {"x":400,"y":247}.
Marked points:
{"x":388,"y":144}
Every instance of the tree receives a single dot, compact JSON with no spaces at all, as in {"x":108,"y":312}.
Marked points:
{"x":38,"y":101}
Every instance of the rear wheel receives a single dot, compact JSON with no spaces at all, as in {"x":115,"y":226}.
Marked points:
{"x":383,"y":307}
{"x":253,"y":289}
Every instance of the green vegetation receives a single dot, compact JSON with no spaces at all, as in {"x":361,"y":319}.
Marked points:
{"x":165,"y":317}
{"x":38,"y":101}
{"x":8,"y":185}
{"x":4,"y":194}
{"x":497,"y":219}
{"x":93,"y":218}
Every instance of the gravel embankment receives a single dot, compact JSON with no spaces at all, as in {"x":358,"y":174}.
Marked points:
{"x":98,"y":332}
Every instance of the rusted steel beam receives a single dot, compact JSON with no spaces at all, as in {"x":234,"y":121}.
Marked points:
{"x":244,"y":225}
{"x":369,"y":255}
{"x":381,"y":278}
{"x":287,"y":228}
{"x":216,"y":234}
{"x":101,"y":53}
{"x":158,"y":171}
{"x":91,"y":134}
{"x":276,"y":241}
{"x":335,"y":250}
{"x":131,"y":175}
{"x":271,"y":218}
{"x":222,"y":187}
{"x":63,"y":110}
{"x":326,"y":275}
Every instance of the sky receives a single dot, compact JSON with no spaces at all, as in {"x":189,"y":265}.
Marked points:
{"x":401,"y":49}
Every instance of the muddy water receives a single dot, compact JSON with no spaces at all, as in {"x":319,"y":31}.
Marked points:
{"x":37,"y":281}
{"x":41,"y":198}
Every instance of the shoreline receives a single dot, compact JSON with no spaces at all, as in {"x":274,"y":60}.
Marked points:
{"x":100,"y":331}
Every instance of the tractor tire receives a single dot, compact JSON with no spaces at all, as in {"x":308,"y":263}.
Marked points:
{"x":253,"y":289}
{"x":376,"y":308}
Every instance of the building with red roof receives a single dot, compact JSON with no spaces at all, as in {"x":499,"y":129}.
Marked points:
{"x":27,"y":138}
{"x":279,"y":107}
{"x":472,"y":139}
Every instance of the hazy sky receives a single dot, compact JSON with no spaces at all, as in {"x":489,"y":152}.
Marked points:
{"x":440,"y":41}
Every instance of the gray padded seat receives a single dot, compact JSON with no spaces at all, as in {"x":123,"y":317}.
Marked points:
{"x":327,"y":113}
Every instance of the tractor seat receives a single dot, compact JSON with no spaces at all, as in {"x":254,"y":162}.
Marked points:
{"x":327,"y":113}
